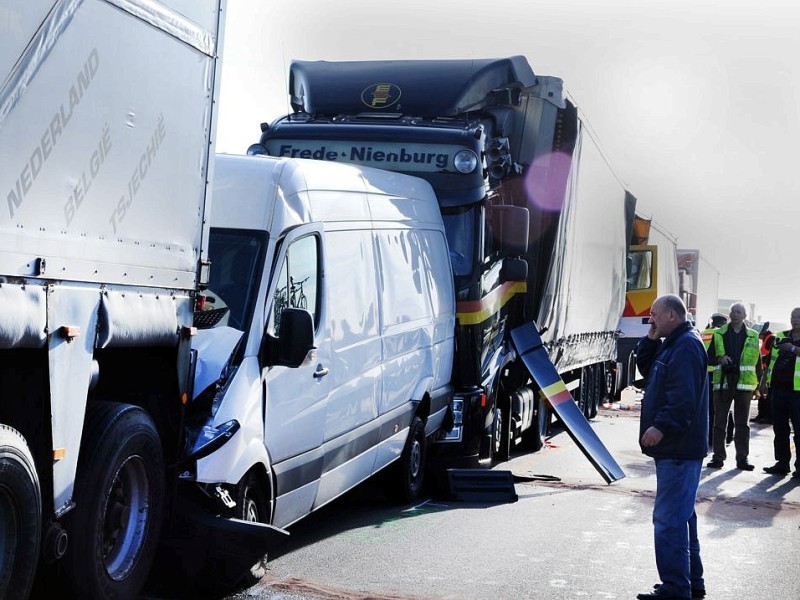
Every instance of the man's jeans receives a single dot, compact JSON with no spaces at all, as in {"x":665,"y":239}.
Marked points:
{"x":675,"y":525}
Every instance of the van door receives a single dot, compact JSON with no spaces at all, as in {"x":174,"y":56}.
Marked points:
{"x":295,"y":398}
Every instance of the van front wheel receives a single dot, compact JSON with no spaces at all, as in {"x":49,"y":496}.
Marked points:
{"x":407,"y":474}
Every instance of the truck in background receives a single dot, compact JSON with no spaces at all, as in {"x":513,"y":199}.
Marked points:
{"x":699,"y":286}
{"x":106,"y":121}
{"x":652,"y":270}
{"x":534,"y":218}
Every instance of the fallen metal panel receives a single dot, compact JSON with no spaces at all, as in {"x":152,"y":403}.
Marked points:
{"x":534,"y":355}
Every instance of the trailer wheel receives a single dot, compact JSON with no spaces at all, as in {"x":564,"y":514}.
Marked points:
{"x":406,"y":476}
{"x":252,"y":505}
{"x":119,"y":496}
{"x":20,"y":515}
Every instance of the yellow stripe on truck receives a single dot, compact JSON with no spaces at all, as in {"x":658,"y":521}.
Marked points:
{"x":478,"y":311}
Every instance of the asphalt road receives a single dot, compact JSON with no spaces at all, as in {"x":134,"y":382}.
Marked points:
{"x":572,"y":538}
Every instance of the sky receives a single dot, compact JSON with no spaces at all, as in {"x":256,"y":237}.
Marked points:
{"x":694,"y":103}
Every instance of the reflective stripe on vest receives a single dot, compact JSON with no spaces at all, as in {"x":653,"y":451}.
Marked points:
{"x":774,"y":355}
{"x":751,"y":353}
{"x":707,"y":336}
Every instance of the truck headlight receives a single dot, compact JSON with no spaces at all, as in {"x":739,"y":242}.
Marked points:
{"x":465,"y":161}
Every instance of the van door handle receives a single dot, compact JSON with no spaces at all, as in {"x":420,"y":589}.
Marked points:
{"x":320,"y":372}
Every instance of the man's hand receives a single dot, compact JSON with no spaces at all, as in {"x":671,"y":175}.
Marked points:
{"x":651,"y":437}
{"x":651,"y":333}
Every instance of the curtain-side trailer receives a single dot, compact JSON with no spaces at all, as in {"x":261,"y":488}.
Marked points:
{"x":106,"y":121}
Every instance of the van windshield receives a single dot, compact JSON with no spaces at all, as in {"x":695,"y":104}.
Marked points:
{"x":235,"y":256}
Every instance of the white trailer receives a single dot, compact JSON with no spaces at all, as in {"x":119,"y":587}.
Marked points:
{"x":106,"y":122}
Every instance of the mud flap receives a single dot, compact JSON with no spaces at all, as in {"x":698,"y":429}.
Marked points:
{"x":206,"y":550}
{"x":528,"y":344}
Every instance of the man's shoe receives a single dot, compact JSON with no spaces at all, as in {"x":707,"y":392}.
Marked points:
{"x":696,"y":592}
{"x":743,"y":465}
{"x":714,"y":464}
{"x":657,"y":594}
{"x":777,"y":469}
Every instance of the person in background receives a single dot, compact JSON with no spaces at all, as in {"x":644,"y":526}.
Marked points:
{"x":736,"y":376}
{"x":764,"y":414}
{"x":783,"y":378}
{"x":717,"y":321}
{"x":674,"y":432}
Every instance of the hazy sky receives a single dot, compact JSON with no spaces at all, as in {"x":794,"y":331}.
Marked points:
{"x":695,"y":103}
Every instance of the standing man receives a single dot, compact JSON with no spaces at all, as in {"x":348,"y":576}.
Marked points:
{"x":674,"y":431}
{"x":783,"y":379}
{"x":717,"y":321}
{"x":736,"y":376}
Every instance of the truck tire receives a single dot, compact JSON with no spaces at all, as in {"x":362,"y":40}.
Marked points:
{"x":252,"y":504}
{"x":20,"y":516}
{"x":119,"y":497}
{"x":533,"y":437}
{"x":406,"y":476}
{"x":501,"y":434}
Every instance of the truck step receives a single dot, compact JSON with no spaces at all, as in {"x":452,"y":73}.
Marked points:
{"x":481,"y":485}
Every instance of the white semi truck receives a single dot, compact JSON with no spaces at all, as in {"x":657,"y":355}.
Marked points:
{"x":106,"y":123}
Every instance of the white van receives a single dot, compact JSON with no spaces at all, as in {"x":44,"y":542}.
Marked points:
{"x":325,"y":346}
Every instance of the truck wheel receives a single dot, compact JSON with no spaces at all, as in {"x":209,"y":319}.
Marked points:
{"x":501,"y":434}
{"x":252,"y":505}
{"x":533,"y":438}
{"x":119,"y":497}
{"x":20,"y":516}
{"x":405,"y":477}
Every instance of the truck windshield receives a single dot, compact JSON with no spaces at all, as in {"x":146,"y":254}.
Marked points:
{"x":235,"y":255}
{"x":461,"y":226}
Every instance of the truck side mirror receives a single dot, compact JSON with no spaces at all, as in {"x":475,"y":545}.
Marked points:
{"x":513,"y":222}
{"x":295,"y":343}
{"x":514,"y":269}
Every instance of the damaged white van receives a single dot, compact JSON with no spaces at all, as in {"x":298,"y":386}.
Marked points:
{"x":325,"y":344}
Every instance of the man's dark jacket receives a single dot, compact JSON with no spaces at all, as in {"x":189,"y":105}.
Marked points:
{"x":676,"y":393}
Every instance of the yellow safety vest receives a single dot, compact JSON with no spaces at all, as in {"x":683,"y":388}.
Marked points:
{"x":751,"y":354}
{"x":706,"y":336}
{"x":774,"y":355}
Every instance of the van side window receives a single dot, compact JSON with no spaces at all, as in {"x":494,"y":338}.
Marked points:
{"x":298,"y":281}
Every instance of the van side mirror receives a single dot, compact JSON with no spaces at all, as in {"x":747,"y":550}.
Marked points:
{"x":295,"y":341}
{"x":513,"y":222}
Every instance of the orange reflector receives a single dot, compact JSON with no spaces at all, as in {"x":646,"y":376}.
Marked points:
{"x":59,"y":453}
{"x":483,"y":400}
{"x":184,"y":398}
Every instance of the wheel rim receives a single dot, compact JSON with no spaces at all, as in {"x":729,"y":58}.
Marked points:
{"x":125,"y":518}
{"x":498,"y":431}
{"x":415,"y":460}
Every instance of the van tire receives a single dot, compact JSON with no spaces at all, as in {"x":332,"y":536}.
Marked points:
{"x":252,"y":505}
{"x":120,"y":475}
{"x":406,"y":476}
{"x":20,"y":515}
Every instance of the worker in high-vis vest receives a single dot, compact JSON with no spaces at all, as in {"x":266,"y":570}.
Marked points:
{"x":783,"y":377}
{"x":736,"y":375}
{"x":717,"y":321}
{"x":764,"y":412}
